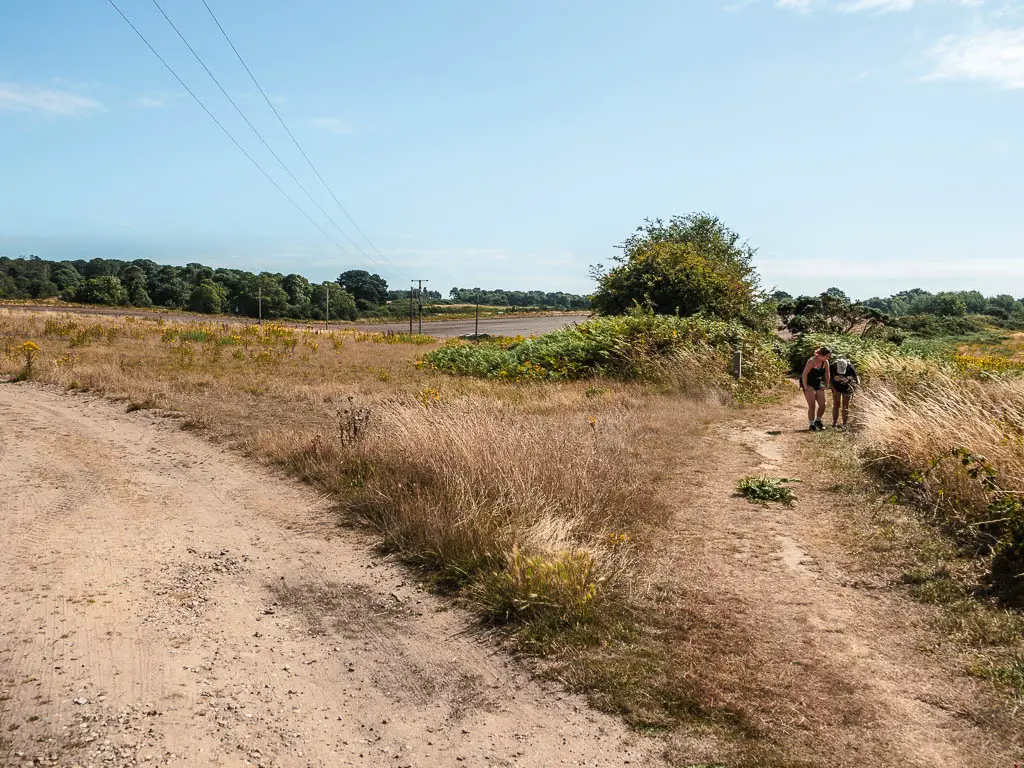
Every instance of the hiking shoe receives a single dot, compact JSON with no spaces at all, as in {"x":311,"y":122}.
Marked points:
{"x":819,"y":426}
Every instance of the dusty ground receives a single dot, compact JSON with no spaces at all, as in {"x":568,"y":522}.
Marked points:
{"x":837,"y":664}
{"x":165,"y":603}
{"x":522,"y":325}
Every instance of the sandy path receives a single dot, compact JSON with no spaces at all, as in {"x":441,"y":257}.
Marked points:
{"x":850,"y":672}
{"x":165,"y":603}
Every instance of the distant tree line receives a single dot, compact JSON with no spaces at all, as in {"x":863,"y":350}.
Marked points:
{"x":916,"y":310}
{"x":948,"y":304}
{"x":196,"y":287}
{"x":199,"y":288}
{"x":501,"y":298}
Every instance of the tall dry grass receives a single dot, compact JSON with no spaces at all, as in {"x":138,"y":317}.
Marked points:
{"x":956,"y":446}
{"x":540,"y":511}
{"x":534,"y":501}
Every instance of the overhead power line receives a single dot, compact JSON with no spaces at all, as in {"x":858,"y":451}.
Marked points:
{"x":226,"y":132}
{"x":255,"y":130}
{"x":291,"y":135}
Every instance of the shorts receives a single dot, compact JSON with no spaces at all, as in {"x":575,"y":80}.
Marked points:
{"x":842,"y":390}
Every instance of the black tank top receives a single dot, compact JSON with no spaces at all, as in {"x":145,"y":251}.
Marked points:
{"x":816,"y":376}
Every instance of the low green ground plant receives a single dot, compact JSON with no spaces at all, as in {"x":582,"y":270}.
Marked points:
{"x":688,"y":353}
{"x":763,"y":489}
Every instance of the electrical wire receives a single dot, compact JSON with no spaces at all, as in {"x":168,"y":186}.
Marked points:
{"x":259,"y":136}
{"x":291,"y":135}
{"x":226,"y":132}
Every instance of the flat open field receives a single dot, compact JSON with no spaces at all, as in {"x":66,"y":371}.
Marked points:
{"x":524,"y":325}
{"x":169,"y":597}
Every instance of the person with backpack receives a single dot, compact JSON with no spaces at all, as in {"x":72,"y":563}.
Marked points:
{"x":814,"y":381}
{"x":844,"y":382}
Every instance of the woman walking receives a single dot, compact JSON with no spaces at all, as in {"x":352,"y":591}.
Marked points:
{"x":844,"y":381}
{"x":814,"y":381}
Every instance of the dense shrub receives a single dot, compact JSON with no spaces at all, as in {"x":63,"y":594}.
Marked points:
{"x":689,"y":353}
{"x":934,"y":326}
{"x":900,"y":365}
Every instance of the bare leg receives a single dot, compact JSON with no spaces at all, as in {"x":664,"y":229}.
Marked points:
{"x":846,"y":407}
{"x":809,"y":395}
{"x":835,"y":406}
{"x":820,"y":397}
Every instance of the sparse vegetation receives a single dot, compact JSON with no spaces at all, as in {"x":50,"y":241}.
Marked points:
{"x":534,"y":504}
{"x":917,"y":553}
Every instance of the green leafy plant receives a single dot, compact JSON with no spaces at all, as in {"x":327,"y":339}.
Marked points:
{"x":764,"y":489}
{"x":686,"y":352}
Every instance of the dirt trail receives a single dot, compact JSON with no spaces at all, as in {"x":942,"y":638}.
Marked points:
{"x":849,"y":672}
{"x":165,"y":603}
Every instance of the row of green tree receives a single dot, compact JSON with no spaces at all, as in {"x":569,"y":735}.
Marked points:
{"x":500,"y":298}
{"x":199,"y":288}
{"x":917,"y":311}
{"x":948,"y":304}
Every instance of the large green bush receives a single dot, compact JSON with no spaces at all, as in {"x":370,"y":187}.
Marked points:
{"x":688,"y":352}
{"x":687,"y":266}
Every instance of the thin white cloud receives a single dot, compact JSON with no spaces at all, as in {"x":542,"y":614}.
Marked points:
{"x":800,"y":6}
{"x":878,"y":6}
{"x":867,"y":6}
{"x":29,"y":98}
{"x":150,"y":102}
{"x":331,"y":125}
{"x":995,"y":55}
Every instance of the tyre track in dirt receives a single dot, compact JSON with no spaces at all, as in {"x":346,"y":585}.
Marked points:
{"x":201,"y":611}
{"x":839,"y":669}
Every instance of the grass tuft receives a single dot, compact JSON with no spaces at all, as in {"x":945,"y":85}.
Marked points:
{"x":764,"y":489}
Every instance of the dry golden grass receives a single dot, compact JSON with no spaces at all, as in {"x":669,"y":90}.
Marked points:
{"x":955,"y":448}
{"x":936,"y":434}
{"x":535,"y":502}
{"x":538,"y":502}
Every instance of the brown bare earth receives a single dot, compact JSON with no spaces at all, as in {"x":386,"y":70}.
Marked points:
{"x":803,"y":639}
{"x":166,"y":603}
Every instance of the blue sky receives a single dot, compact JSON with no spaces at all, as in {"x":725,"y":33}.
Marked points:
{"x":871,"y":144}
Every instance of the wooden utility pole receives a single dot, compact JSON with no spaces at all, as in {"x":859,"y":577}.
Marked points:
{"x":410,"y":310}
{"x":476,"y":329}
{"x":327,"y":314}
{"x":259,"y":301}
{"x":419,"y":302}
